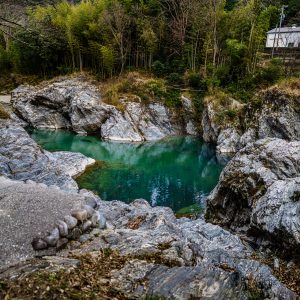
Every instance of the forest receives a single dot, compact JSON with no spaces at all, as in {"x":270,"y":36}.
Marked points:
{"x":196,"y":42}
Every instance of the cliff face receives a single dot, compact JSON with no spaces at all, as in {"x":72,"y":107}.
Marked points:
{"x":277,"y":115}
{"x":77,"y":104}
{"x":258,"y":192}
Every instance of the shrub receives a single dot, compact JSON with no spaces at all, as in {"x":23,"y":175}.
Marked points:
{"x":3,"y":113}
{"x":172,"y":98}
{"x":194,"y":80}
{"x":175,"y":78}
{"x":158,"y":68}
{"x":271,"y":73}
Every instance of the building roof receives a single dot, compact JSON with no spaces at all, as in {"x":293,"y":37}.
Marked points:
{"x":285,"y":29}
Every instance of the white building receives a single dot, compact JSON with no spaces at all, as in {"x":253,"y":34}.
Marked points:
{"x":283,"y":37}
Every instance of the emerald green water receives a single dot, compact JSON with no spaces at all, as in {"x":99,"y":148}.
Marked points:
{"x":177,"y":172}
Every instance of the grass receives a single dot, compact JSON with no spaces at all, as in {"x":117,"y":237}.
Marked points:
{"x":136,"y":87}
{"x":189,"y":211}
{"x":3,"y":113}
{"x":228,"y":110}
{"x":89,"y":281}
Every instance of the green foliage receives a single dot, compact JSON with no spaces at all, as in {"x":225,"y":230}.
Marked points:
{"x":194,"y":80}
{"x":270,"y":73}
{"x":5,"y":59}
{"x":175,"y":78}
{"x":3,"y":113}
{"x":158,"y":68}
{"x":214,"y":46}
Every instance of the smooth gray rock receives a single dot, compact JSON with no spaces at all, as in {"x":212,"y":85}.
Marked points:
{"x":28,"y":211}
{"x":194,"y":258}
{"x":70,"y":221}
{"x":258,"y":192}
{"x":63,"y":228}
{"x":90,"y":211}
{"x":86,"y":225}
{"x":75,"y":103}
{"x":52,"y":238}
{"x":21,"y":158}
{"x":80,"y":214}
{"x":39,"y":244}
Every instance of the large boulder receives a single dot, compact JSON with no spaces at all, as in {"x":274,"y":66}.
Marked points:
{"x":275,"y":114}
{"x":21,"y":158}
{"x":224,"y":134}
{"x":70,"y":104}
{"x":280,"y":114}
{"x":258,"y":192}
{"x":139,"y":122}
{"x":76,"y":104}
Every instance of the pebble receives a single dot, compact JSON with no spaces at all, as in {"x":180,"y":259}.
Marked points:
{"x":53,"y":237}
{"x":79,"y":214}
{"x":102,"y":221}
{"x":86,"y":225}
{"x":61,"y":243}
{"x":74,"y":234}
{"x":291,"y":264}
{"x":276,"y":263}
{"x":96,"y":232}
{"x":90,"y":211}
{"x":70,"y":221}
{"x":95,"y":219}
{"x":63,"y":228}
{"x":39,"y":244}
{"x":84,"y":238}
{"x":92,"y":202}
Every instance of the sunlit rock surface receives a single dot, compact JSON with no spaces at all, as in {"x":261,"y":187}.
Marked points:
{"x":77,"y":104}
{"x":258,"y":192}
{"x":21,"y":158}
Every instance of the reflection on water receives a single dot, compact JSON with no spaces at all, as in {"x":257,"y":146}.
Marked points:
{"x":175,"y":172}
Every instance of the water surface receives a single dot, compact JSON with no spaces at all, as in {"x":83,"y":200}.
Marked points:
{"x":178,"y":172}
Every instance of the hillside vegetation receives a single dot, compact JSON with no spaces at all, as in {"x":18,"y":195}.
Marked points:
{"x":212,"y":43}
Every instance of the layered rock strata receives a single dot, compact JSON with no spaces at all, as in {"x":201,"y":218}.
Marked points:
{"x":258,"y":193}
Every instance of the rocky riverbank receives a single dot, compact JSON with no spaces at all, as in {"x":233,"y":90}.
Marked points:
{"x":151,"y":252}
{"x":258,"y":194}
{"x":273,"y":113}
{"x":77,"y":104}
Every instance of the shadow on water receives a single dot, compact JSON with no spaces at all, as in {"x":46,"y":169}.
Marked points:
{"x":177,"y":172}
